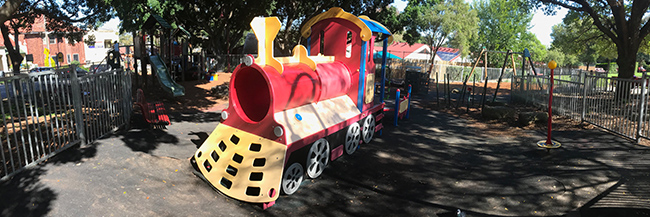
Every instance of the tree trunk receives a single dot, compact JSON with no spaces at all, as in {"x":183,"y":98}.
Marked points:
{"x":14,"y":53}
{"x":8,"y":8}
{"x":626,"y":62}
{"x":433,"y":58}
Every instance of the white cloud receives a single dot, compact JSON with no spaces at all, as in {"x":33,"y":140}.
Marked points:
{"x":112,"y":25}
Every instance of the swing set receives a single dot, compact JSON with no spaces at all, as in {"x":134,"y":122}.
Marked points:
{"x":509,"y":55}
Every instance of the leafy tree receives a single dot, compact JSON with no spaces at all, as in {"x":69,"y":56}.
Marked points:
{"x":220,"y":26}
{"x":293,"y":15}
{"x":577,"y":35}
{"x":621,"y":21}
{"x":126,"y":39}
{"x":504,"y":26}
{"x":557,"y":55}
{"x":450,"y":22}
{"x":65,"y":18}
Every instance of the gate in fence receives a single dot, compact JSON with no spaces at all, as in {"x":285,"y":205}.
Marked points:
{"x":614,"y":104}
{"x":47,"y":112}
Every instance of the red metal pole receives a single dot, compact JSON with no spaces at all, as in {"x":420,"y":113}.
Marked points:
{"x":550,"y":111}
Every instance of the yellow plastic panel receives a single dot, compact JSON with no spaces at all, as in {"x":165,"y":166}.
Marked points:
{"x":315,"y":117}
{"x":300,"y":53}
{"x":299,"y":56}
{"x":370,"y":88}
{"x":337,"y":12}
{"x":265,"y":29}
{"x":242,"y":164}
{"x":403,"y":105}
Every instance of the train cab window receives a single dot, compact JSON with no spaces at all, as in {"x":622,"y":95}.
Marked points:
{"x":348,"y":45}
{"x":322,"y":42}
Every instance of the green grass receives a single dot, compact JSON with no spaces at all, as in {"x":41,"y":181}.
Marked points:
{"x":614,"y":74}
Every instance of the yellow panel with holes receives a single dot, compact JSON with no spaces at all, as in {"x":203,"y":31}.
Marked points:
{"x":242,"y":165}
{"x":370,"y":88}
{"x":403,"y":105}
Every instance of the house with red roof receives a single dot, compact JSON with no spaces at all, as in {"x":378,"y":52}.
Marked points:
{"x":421,"y":52}
{"x":33,"y":43}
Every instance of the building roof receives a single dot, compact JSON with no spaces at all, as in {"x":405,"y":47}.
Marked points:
{"x":448,"y":54}
{"x":401,"y":49}
{"x":153,"y":19}
{"x":404,"y":50}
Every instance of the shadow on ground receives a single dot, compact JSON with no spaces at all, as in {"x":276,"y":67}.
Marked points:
{"x":27,"y":194}
{"x":433,"y":164}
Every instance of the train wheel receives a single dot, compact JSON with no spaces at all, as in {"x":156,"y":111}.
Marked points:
{"x":352,"y":138}
{"x":292,"y":178}
{"x":318,"y":157}
{"x":368,"y":128}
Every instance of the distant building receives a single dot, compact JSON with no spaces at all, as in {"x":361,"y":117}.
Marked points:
{"x":104,"y":39}
{"x":422,"y":52}
{"x":33,"y":44}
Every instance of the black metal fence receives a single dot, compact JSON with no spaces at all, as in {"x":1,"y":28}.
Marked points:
{"x":44,"y":113}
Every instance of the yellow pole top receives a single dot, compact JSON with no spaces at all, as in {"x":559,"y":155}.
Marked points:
{"x":552,"y":64}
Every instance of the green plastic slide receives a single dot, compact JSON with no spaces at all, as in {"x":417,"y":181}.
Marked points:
{"x":168,"y":84}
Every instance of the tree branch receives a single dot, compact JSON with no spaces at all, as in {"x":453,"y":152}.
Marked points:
{"x":585,"y":7}
{"x":644,"y":30}
{"x":564,"y":5}
{"x":8,"y":9}
{"x":618,"y":10}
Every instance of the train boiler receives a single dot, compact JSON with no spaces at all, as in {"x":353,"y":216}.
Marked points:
{"x":290,"y":116}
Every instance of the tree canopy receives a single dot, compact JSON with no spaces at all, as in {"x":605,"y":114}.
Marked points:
{"x":220,"y":26}
{"x":65,"y":18}
{"x":450,"y":22}
{"x":620,"y":21}
{"x":577,"y":37}
{"x":504,"y":26}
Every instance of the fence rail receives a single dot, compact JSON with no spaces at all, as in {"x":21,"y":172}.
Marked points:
{"x":396,"y":70}
{"x":615,"y":104}
{"x":46,"y":112}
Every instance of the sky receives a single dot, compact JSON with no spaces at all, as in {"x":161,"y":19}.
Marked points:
{"x":541,"y":24}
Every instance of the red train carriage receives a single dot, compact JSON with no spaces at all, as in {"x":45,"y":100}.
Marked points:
{"x":291,"y":116}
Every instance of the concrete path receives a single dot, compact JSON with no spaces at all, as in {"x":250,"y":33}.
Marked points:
{"x":430,"y":165}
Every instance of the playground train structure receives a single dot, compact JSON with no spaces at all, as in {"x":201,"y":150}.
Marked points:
{"x":290,"y":116}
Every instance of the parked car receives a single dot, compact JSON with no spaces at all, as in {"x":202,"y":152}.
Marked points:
{"x":98,"y":68}
{"x":80,"y":72}
{"x":40,"y":69}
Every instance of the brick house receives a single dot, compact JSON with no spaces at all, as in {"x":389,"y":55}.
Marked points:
{"x":35,"y":41}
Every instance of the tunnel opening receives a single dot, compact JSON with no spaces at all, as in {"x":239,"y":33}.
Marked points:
{"x":252,"y":93}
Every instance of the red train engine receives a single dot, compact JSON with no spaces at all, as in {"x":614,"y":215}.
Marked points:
{"x":291,"y":116}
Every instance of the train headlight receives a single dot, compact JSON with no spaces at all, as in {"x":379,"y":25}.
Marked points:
{"x":224,"y":115}
{"x":278,"y":131}
{"x":248,"y":60}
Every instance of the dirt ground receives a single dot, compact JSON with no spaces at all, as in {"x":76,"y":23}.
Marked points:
{"x":197,"y":96}
{"x":508,"y":128}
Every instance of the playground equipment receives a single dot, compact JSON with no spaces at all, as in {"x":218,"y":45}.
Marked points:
{"x":162,"y":72}
{"x":509,"y":55}
{"x":291,"y":116}
{"x":402,"y":106}
{"x":159,"y":57}
{"x":548,"y":143}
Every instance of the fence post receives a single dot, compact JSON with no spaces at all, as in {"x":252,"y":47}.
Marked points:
{"x":76,"y":103}
{"x":396,"y":107}
{"x":642,"y":109}
{"x":583,"y":78}
{"x":127,"y":101}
